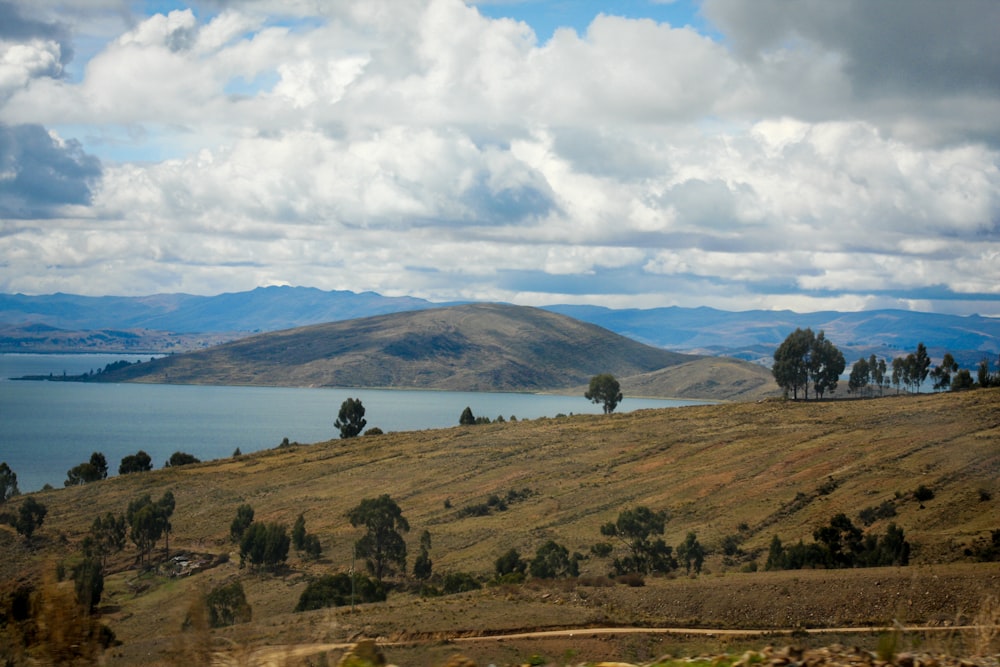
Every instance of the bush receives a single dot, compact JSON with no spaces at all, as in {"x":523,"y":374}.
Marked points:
{"x":138,"y":462}
{"x":181,"y":459}
{"x":227,"y":605}
{"x":244,"y":517}
{"x":264,"y":545}
{"x":602,"y":549}
{"x":632,"y":579}
{"x":923,"y":493}
{"x":334,"y":590}
{"x":374,"y":430}
{"x":459,"y":582}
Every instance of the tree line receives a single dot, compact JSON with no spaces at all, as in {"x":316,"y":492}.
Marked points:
{"x":805,"y":361}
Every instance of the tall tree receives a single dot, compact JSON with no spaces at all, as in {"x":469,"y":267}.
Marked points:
{"x":138,"y":462}
{"x":351,"y":418}
{"x":791,"y":362}
{"x":634,"y":529}
{"x":691,"y":554}
{"x":941,"y":374}
{"x":149,"y":521}
{"x":8,"y":483}
{"x":860,"y":374}
{"x":922,"y":365}
{"x":107,"y":536}
{"x":604,"y":389}
{"x":826,"y":363}
{"x":244,"y":517}
{"x":29,"y":517}
{"x":382,"y":546}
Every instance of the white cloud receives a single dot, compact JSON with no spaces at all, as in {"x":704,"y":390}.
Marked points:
{"x":422,"y":148}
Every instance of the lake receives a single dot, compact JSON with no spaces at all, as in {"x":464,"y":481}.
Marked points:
{"x":46,"y":428}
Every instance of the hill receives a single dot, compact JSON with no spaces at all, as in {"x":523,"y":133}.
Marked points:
{"x":477,"y":347}
{"x":751,"y":335}
{"x":745,"y":471}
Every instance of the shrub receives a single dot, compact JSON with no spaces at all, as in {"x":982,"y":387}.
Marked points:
{"x":459,"y":582}
{"x":552,"y":560}
{"x":181,"y":459}
{"x":374,"y":430}
{"x":334,"y":590}
{"x":510,"y":563}
{"x":632,"y":579}
{"x":227,"y":605}
{"x":244,"y":517}
{"x":869,"y":515}
{"x":138,"y":462}
{"x":602,"y":549}
{"x":264,"y":545}
{"x":923,"y":493}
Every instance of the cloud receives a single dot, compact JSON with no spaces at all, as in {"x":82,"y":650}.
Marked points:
{"x":420,"y":147}
{"x":40,"y":173}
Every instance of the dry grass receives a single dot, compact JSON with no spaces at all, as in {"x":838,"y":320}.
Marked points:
{"x":713,"y":468}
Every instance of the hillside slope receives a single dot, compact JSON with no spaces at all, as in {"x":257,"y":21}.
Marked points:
{"x":479,"y":347}
{"x":751,"y":471}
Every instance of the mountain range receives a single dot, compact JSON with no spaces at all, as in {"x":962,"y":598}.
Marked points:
{"x":42,"y":323}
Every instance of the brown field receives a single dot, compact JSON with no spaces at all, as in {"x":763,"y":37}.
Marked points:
{"x":750,"y":469}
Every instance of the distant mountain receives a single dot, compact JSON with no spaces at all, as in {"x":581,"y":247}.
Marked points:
{"x":753,"y":335}
{"x":262,"y":309}
{"x":749,"y":335}
{"x":476,"y":347}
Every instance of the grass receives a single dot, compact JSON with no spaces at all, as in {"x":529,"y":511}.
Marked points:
{"x":757,"y":469}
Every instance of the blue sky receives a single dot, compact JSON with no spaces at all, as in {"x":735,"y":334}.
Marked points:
{"x":805,"y":156}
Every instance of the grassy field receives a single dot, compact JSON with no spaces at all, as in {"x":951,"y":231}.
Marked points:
{"x":751,"y":470}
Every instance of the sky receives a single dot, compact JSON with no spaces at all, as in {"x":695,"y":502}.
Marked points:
{"x":807,"y":155}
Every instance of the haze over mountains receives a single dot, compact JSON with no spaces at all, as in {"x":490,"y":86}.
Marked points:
{"x":751,"y":335}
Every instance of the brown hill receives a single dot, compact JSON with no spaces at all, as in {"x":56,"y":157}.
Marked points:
{"x":743,"y":470}
{"x":479,"y":347}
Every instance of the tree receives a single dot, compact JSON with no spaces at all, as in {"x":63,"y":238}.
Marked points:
{"x":244,"y":517}
{"x":88,"y":581}
{"x":107,"y":536}
{"x":791,"y":362}
{"x":422,"y":565}
{"x":691,"y":553}
{"x":29,"y":517}
{"x":8,"y":483}
{"x":921,"y":367}
{"x":941,"y":374}
{"x":100,"y":464}
{"x":351,"y":418}
{"x":841,"y":541}
{"x":138,"y":462}
{"x":264,"y":545}
{"x":552,"y":560}
{"x":826,"y":363}
{"x":149,"y":521}
{"x":634,"y":528}
{"x":983,"y":373}
{"x":510,"y":563}
{"x":860,"y":374}
{"x":604,"y":389}
{"x":82,"y":474}
{"x":962,"y":380}
{"x":181,"y":459}
{"x":299,"y":532}
{"x":898,"y":372}
{"x":227,"y":605}
{"x":382,"y":546}
{"x":467,"y":418}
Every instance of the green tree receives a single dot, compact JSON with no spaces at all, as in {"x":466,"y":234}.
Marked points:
{"x":791,"y":362}
{"x":691,"y":554}
{"x":29,"y":517}
{"x":826,"y":363}
{"x":100,"y":464}
{"x":8,"y":483}
{"x":898,"y":372}
{"x":841,"y":541}
{"x":299,"y":532}
{"x":604,"y":389}
{"x":510,"y":563}
{"x":922,"y":366}
{"x":181,"y":459}
{"x":88,"y":581}
{"x":860,"y":375}
{"x":82,"y":474}
{"x":942,"y":373}
{"x":634,"y":529}
{"x":264,"y":545}
{"x":467,"y":418}
{"x":551,"y":561}
{"x":351,"y":418}
{"x":983,"y":375}
{"x":423,"y":565}
{"x":962,"y":380}
{"x":149,"y":521}
{"x":106,"y":537}
{"x":138,"y":462}
{"x":382,"y":546}
{"x":227,"y":605}
{"x":244,"y":517}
